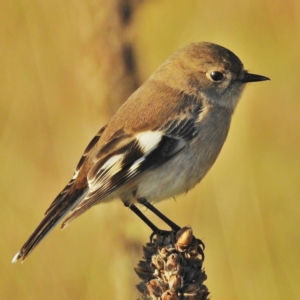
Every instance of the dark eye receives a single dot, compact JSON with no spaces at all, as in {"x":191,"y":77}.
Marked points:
{"x":216,"y":75}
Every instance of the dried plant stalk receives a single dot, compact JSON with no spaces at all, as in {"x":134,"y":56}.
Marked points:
{"x":172,"y":268}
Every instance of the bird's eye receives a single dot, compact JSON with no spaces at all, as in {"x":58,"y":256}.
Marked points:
{"x":216,"y":75}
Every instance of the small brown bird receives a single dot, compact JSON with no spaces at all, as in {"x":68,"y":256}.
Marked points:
{"x":160,"y":143}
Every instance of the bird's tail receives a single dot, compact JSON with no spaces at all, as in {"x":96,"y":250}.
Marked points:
{"x":64,"y":202}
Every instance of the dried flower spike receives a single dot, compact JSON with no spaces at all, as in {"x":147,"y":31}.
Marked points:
{"x":172,"y":267}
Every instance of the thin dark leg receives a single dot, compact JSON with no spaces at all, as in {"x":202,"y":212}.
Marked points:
{"x":134,"y":209}
{"x":144,"y":202}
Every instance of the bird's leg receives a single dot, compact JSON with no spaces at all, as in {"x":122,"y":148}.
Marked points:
{"x":155,"y":229}
{"x":170,"y":223}
{"x":134,"y":209}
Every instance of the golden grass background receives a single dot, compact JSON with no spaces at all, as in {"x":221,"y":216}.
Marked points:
{"x":54,"y":98}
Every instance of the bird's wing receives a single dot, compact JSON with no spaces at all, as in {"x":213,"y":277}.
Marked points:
{"x":132,"y":154}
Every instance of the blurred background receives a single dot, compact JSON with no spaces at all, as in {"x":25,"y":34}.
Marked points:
{"x":65,"y":68}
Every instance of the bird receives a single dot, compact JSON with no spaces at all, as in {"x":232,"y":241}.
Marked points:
{"x":160,"y":143}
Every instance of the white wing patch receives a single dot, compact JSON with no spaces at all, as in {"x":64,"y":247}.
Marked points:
{"x":111,"y":162}
{"x":148,"y":140}
{"x":111,"y":167}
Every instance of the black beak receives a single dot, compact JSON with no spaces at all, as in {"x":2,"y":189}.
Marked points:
{"x":248,"y":77}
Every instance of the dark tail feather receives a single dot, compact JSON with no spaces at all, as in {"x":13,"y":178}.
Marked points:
{"x":62,"y":206}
